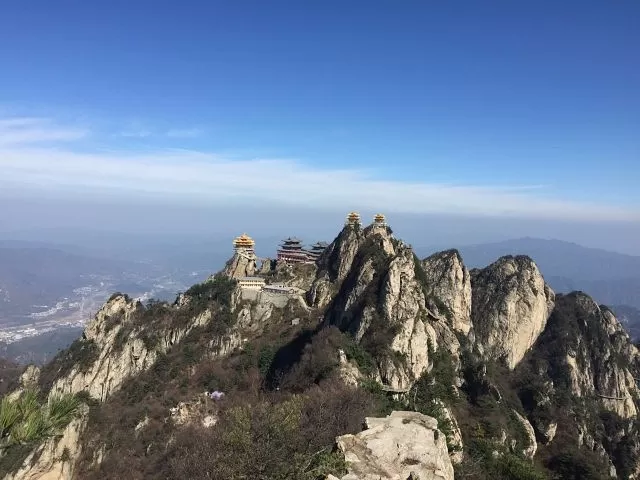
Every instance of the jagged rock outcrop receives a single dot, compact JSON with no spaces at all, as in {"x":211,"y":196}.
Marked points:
{"x":27,"y":381}
{"x":266,"y":267}
{"x":404,"y":445}
{"x":530,"y":450}
{"x":454,"y":439}
{"x":600,"y":360}
{"x":510,"y":307}
{"x":431,"y":321}
{"x":349,"y":373}
{"x":403,"y":304}
{"x":448,"y":288}
{"x":241,"y":265}
{"x":55,"y":458}
{"x":380,"y":295}
{"x":334,"y":265}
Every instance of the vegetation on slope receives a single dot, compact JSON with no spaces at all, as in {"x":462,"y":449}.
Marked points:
{"x":263,"y":432}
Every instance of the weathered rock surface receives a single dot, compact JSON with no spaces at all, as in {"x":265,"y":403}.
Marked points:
{"x":449,"y":288}
{"x":349,"y":373}
{"x":241,"y":265}
{"x":530,"y":450}
{"x":600,"y":358}
{"x":510,"y":307}
{"x":380,"y":292}
{"x":404,"y":445}
{"x":117,"y":358}
{"x":266,"y":267}
{"x":455,"y":441}
{"x":403,"y":304}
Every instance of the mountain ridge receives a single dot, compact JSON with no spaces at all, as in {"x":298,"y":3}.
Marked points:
{"x":521,"y":382}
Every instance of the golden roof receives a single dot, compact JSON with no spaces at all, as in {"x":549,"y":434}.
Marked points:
{"x":379,"y":218}
{"x":353,"y":216}
{"x":243,"y":240}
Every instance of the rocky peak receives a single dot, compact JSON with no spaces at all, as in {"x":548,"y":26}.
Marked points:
{"x":126,"y":338}
{"x":510,"y":306}
{"x":381,"y":303}
{"x":242,"y":265}
{"x":119,"y":307}
{"x":595,"y":352}
{"x":401,"y":446}
{"x":335,"y":262}
{"x":448,"y":288}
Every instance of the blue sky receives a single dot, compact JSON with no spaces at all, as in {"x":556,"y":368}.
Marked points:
{"x":498,"y":108}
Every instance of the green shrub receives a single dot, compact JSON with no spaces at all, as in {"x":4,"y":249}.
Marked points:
{"x":356,"y":353}
{"x":26,"y":421}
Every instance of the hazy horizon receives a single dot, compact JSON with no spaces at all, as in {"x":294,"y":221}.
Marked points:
{"x":82,"y":221}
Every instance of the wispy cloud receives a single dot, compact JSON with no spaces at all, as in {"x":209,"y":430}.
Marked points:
{"x":136,"y":133}
{"x":30,"y":130}
{"x":185,"y":133}
{"x":183,"y":174}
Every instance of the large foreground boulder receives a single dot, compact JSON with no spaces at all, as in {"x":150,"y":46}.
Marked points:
{"x":402,"y":446}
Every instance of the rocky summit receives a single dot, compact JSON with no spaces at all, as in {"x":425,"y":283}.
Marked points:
{"x":365,"y":363}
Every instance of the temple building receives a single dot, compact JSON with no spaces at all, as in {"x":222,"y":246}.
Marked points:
{"x":353,"y":218}
{"x":291,"y":251}
{"x":254,"y":283}
{"x":244,"y":243}
{"x":379,"y":220}
{"x":279,"y":289}
{"x":316,"y":250}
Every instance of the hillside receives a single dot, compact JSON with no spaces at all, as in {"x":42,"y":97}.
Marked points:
{"x":486,"y":372}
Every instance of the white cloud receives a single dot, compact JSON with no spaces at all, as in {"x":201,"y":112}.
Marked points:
{"x":136,"y":133}
{"x":185,"y":133}
{"x":207,"y":177}
{"x":30,"y":130}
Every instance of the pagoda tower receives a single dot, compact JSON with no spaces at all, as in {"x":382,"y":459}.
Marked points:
{"x":353,"y":219}
{"x":316,"y":250}
{"x":244,"y":245}
{"x":379,"y":220}
{"x":291,"y":251}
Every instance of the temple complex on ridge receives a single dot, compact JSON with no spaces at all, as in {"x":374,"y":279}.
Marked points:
{"x":291,"y":251}
{"x":316,"y":250}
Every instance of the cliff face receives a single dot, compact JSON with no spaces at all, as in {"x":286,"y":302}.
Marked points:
{"x":589,"y":353}
{"x":334,"y":265}
{"x":448,"y":288}
{"x":510,"y":307}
